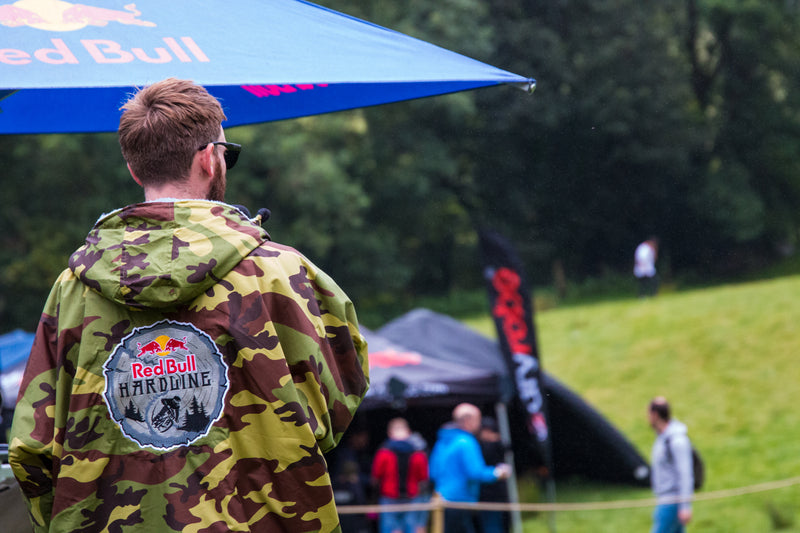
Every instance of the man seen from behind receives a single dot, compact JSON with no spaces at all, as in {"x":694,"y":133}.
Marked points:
{"x":187,"y":373}
{"x":400,"y":471}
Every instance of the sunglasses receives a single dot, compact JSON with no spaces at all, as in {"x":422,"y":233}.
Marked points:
{"x":231,"y":152}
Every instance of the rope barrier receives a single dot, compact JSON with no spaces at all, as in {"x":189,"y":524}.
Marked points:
{"x":438,"y":504}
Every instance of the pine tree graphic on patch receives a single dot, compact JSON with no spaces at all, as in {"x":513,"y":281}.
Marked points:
{"x":133,"y":412}
{"x":196,"y":417}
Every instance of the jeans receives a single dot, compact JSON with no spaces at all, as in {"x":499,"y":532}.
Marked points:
{"x":493,"y":521}
{"x":648,"y":286}
{"x":458,"y":521}
{"x":406,"y":521}
{"x":665,"y":519}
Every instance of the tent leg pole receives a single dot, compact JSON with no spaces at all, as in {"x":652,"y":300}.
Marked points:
{"x":551,"y":498}
{"x":501,"y":413}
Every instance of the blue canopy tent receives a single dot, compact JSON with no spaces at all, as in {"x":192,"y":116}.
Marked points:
{"x":68,"y":67}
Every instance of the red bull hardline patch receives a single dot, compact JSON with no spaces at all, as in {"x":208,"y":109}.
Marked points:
{"x":165,"y":384}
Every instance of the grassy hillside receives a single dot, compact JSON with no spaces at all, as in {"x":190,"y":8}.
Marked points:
{"x":728,"y":358}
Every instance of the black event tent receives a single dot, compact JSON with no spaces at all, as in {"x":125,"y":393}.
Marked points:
{"x":423,"y":363}
{"x":402,"y":378}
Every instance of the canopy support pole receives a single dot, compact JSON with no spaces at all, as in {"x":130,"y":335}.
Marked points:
{"x":501,"y":413}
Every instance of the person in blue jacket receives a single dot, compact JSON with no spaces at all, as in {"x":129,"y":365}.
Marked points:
{"x":457,"y":467}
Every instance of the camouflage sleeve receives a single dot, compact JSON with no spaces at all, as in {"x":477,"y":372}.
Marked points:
{"x":335,"y":386}
{"x":319,"y":336}
{"x":31,"y":452}
{"x":349,"y":381}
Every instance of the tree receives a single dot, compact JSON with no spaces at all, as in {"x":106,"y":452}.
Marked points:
{"x":600,"y":156}
{"x":54,"y":189}
{"x":675,"y":118}
{"x":744,"y":58}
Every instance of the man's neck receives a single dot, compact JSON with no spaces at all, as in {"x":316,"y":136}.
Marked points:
{"x":179,"y":191}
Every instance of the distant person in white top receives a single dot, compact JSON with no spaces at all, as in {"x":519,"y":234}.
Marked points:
{"x":644,"y":267}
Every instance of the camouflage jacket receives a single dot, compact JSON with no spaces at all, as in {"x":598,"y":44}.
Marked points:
{"x":187,"y":375}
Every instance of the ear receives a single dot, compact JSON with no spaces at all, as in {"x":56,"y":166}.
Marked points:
{"x":206,"y":160}
{"x":137,"y":180}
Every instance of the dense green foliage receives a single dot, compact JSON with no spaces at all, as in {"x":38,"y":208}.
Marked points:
{"x":674,"y":118}
{"x":726,"y":358}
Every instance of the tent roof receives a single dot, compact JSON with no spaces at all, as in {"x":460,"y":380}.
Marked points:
{"x":449,"y":340}
{"x":401,"y":377}
{"x":68,"y":68}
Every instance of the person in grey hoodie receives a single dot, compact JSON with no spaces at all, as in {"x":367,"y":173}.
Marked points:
{"x":672,"y":476}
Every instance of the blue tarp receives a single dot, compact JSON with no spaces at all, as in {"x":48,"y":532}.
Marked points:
{"x":15,"y":347}
{"x":67,"y":67}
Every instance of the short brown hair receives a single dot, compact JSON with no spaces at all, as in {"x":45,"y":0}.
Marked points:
{"x":660,"y":407}
{"x":163,"y":125}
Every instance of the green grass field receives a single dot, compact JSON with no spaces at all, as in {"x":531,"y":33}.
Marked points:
{"x":728,"y":359}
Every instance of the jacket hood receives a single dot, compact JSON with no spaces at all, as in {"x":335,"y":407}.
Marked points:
{"x":163,"y":254}
{"x":674,"y":428}
{"x":399,"y":446}
{"x":449,"y":432}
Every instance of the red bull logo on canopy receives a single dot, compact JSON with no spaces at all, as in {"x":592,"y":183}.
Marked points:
{"x":60,"y":16}
{"x":57,"y":15}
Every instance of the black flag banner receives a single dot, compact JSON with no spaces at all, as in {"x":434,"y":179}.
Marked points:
{"x":512,"y":309}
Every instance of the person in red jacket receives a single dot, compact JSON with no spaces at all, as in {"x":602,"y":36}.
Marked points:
{"x":400,"y":471}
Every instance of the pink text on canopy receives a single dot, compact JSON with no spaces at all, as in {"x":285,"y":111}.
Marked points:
{"x":263,"y":91}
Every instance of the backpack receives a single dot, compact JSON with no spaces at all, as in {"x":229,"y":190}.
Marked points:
{"x":402,"y":472}
{"x":698,"y":466}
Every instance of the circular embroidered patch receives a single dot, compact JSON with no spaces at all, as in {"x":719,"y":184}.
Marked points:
{"x":165,"y":384}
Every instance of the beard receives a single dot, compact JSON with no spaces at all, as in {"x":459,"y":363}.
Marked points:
{"x":216,"y":192}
